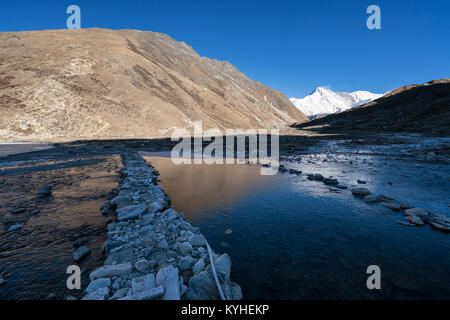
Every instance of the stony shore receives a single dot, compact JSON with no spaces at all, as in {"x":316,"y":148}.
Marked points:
{"x":151,"y":252}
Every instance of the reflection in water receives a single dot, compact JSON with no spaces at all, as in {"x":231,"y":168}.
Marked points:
{"x":297,"y":239}
{"x":196,"y":187}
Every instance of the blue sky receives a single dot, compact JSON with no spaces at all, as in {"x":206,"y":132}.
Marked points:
{"x":292,"y":46}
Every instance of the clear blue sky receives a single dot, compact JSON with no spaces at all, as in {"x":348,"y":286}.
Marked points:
{"x":292,"y":46}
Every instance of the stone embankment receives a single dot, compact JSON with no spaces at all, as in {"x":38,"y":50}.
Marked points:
{"x":151,"y":252}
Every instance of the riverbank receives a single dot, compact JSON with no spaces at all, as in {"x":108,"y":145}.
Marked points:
{"x":152,"y":253}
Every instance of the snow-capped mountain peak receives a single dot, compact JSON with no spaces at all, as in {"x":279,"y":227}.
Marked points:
{"x":323,"y":101}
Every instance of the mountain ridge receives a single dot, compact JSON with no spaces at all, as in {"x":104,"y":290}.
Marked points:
{"x":106,"y":84}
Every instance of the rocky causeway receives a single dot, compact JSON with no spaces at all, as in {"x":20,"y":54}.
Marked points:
{"x":151,"y":252}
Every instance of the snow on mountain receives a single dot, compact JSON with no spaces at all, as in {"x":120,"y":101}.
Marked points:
{"x":324,"y":101}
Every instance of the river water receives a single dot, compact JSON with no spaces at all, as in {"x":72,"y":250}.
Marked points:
{"x":299,"y":239}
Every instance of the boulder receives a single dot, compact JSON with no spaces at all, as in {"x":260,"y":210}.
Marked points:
{"x":110,"y":271}
{"x":414,"y":219}
{"x":360,"y":191}
{"x":223,"y":267}
{"x":371,"y":198}
{"x":184,"y":248}
{"x":331,"y":181}
{"x":416,"y":212}
{"x":168,"y":278}
{"x":99,"y":294}
{"x":197,"y":241}
{"x":121,"y":202}
{"x":120,"y":294}
{"x":142,"y":265}
{"x":202,"y":287}
{"x":141,"y":284}
{"x":186,"y":263}
{"x":120,"y":256}
{"x":131,"y":212}
{"x":163,"y":244}
{"x":393,"y":205}
{"x":97,"y":284}
{"x":149,"y":294}
{"x":80,"y":253}
{"x":198,"y":266}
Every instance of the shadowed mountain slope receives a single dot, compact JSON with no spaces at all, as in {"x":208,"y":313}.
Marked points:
{"x":415,"y":108}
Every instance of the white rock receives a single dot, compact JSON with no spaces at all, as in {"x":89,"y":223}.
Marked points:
{"x":185,"y":248}
{"x":198,"y":266}
{"x":110,"y":271}
{"x":168,"y":278}
{"x":142,"y":265}
{"x":197,"y":241}
{"x":142,"y":283}
{"x":186,"y":263}
{"x":121,"y":202}
{"x":131,"y":212}
{"x":97,"y":284}
{"x":99,"y":294}
{"x":150,"y":294}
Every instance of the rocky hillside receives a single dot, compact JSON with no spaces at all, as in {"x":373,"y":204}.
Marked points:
{"x":97,"y":83}
{"x":416,"y":108}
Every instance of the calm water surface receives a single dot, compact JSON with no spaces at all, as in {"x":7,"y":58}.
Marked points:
{"x":299,"y":239}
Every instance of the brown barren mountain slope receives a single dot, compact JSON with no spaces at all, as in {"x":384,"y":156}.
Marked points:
{"x":415,"y":108}
{"x":96,"y":83}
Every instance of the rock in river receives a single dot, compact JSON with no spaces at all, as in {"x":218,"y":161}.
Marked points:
{"x":15,"y":227}
{"x":80,"y":253}
{"x":414,"y":219}
{"x":416,"y":212}
{"x":371,"y":198}
{"x":331,"y":181}
{"x":394,"y":205}
{"x":361,"y":191}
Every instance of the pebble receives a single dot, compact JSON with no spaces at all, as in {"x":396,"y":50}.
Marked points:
{"x":15,"y":227}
